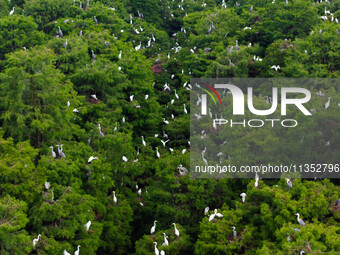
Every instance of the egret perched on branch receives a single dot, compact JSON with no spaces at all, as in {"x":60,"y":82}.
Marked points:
{"x":95,"y":19}
{"x":289,"y":183}
{"x":47,"y":185}
{"x":53,"y":153}
{"x":328,"y":102}
{"x":143,"y":141}
{"x":218,"y":214}
{"x":124,"y":159}
{"x":212,"y":216}
{"x":12,"y":11}
{"x":234,"y":232}
{"x":153,"y":227}
{"x":120,"y":55}
{"x":256,"y":180}
{"x":91,"y":158}
{"x":114,"y":197}
{"x":66,"y":253}
{"x":35,"y":241}
{"x":301,"y":222}
{"x":243,"y":195}
{"x":156,"y":250}
{"x":176,"y":230}
{"x":94,"y":96}
{"x":165,"y":121}
{"x":157,"y":153}
{"x":185,"y":109}
{"x":206,"y":210}
{"x":77,"y":251}
{"x":87,"y":225}
{"x":166,"y":242}
{"x":65,"y":44}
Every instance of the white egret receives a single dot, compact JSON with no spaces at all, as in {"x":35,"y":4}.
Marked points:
{"x":328,"y":102}
{"x":164,"y":142}
{"x":94,"y":96}
{"x":12,"y":11}
{"x":77,"y":251}
{"x":162,"y":252}
{"x":156,"y":250}
{"x":153,"y":227}
{"x":234,"y":232}
{"x":301,"y":222}
{"x":176,"y":95}
{"x":61,"y":153}
{"x":185,"y":109}
{"x":206,"y":210}
{"x":143,"y":142}
{"x":87,"y":225}
{"x":139,"y":192}
{"x":66,"y":253}
{"x":47,"y":185}
{"x":124,"y":159}
{"x":131,"y":98}
{"x":75,"y":110}
{"x":182,"y":170}
{"x":218,"y":214}
{"x":91,"y":158}
{"x":289,"y":183}
{"x":65,"y":44}
{"x":165,"y":121}
{"x":176,"y":230}
{"x":276,"y":67}
{"x":68,"y":103}
{"x":53,"y":153}
{"x":243,"y":195}
{"x":212,"y":216}
{"x":157,"y":153}
{"x":256,"y":180}
{"x":114,"y":197}
{"x":166,"y":242}
{"x":146,"y":97}
{"x":35,"y":241}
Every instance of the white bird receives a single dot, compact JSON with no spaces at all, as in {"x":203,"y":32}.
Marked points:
{"x":166,"y":242}
{"x":162,"y":252}
{"x":301,"y":222}
{"x":157,"y":153}
{"x":94,"y":96}
{"x":156,"y":250}
{"x":185,"y":109}
{"x":65,"y":44}
{"x":12,"y":11}
{"x":165,"y":121}
{"x":153,"y":227}
{"x":75,"y":110}
{"x":68,"y":103}
{"x":176,"y":95}
{"x":53,"y":153}
{"x":176,"y":230}
{"x":289,"y":183}
{"x":47,"y":185}
{"x":91,"y":158}
{"x":234,"y":232}
{"x":120,"y":55}
{"x":184,"y":150}
{"x":143,"y":142}
{"x":131,"y":98}
{"x":66,"y":253}
{"x":218,"y":214}
{"x":328,"y":103}
{"x":256,"y":180}
{"x":124,"y":159}
{"x":164,"y":142}
{"x":114,"y":197}
{"x":243,"y":195}
{"x":206,"y":210}
{"x":139,"y":192}
{"x":276,"y":67}
{"x":87,"y":225}
{"x":212,"y":216}
{"x":77,"y":251}
{"x":182,"y":170}
{"x":35,"y":241}
{"x":146,"y":97}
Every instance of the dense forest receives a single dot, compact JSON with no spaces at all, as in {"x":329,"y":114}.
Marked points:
{"x":95,"y":127}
